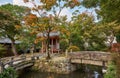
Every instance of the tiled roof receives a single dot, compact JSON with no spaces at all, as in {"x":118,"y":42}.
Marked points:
{"x":7,"y":40}
{"x":51,"y":34}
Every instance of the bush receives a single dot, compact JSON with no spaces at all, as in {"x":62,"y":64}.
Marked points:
{"x":111,"y":71}
{"x":63,"y":45}
{"x":118,"y":37}
{"x":74,"y":48}
{"x":8,"y":73}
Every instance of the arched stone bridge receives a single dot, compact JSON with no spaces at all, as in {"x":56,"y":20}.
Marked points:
{"x":91,"y":57}
{"x":19,"y":62}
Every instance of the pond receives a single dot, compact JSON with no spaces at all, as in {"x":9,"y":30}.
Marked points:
{"x":89,"y":73}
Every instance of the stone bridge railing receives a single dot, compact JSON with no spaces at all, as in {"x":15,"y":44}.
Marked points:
{"x":90,"y":56}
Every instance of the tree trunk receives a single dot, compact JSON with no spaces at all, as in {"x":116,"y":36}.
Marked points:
{"x":48,"y":44}
{"x":13,"y":47}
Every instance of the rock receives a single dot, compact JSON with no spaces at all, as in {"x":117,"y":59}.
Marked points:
{"x":59,"y":65}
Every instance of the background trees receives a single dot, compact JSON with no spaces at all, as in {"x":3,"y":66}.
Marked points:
{"x":107,"y":10}
{"x":81,"y":31}
{"x":85,"y":33}
{"x":7,"y":23}
{"x":10,"y":22}
{"x":108,"y":15}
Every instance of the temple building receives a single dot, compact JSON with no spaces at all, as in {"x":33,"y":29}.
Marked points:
{"x":6,"y":42}
{"x":54,"y":42}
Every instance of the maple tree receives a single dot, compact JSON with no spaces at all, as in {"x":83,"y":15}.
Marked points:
{"x":46,"y":23}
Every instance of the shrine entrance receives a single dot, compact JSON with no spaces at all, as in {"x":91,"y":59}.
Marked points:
{"x":54,"y":43}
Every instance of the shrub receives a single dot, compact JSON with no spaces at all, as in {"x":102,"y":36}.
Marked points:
{"x":111,"y":71}
{"x":8,"y":73}
{"x":63,"y":45}
{"x":74,"y":48}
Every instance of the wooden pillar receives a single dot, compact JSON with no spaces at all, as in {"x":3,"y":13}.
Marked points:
{"x":52,"y":45}
{"x":42,"y":47}
{"x":46,"y":49}
{"x":66,"y":53}
{"x":57,"y":45}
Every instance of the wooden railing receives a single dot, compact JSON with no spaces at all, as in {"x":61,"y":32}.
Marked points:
{"x":15,"y":61}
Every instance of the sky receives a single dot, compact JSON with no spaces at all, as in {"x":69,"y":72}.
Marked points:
{"x":65,"y":11}
{"x":5,"y":1}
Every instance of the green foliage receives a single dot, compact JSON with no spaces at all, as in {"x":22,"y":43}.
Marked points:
{"x":10,"y":22}
{"x":90,"y":3}
{"x":107,"y":11}
{"x":77,"y":41}
{"x":9,"y":73}
{"x":97,"y":47}
{"x":73,"y":48}
{"x":27,"y":40}
{"x":7,"y":27}
{"x":118,"y":37}
{"x":17,"y":11}
{"x":2,"y":50}
{"x":10,"y":16}
{"x":84,"y":30}
{"x":116,"y":59}
{"x":63,"y":45}
{"x":111,"y":71}
{"x":7,"y":23}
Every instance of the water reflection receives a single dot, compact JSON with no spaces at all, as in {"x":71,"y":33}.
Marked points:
{"x":76,"y":74}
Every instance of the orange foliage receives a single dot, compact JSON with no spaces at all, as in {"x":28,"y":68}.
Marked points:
{"x":17,"y":27}
{"x":74,"y":3}
{"x":33,"y":32}
{"x":39,"y":39}
{"x":48,"y":3}
{"x":26,"y":1}
{"x":30,"y":19}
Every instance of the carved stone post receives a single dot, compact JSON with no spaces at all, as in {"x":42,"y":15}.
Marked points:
{"x":103,"y":63}
{"x":104,"y":69}
{"x":66,"y":53}
{"x":23,"y":57}
{"x":11,"y":63}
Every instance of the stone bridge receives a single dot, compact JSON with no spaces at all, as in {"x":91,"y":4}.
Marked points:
{"x":91,"y":57}
{"x":19,"y":62}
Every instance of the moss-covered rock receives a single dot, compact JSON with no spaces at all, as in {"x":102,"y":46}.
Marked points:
{"x":73,"y":48}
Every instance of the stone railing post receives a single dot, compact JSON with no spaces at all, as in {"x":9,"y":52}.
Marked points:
{"x":103,"y":64}
{"x":33,"y":58}
{"x":70,"y":50}
{"x":11,"y":62}
{"x":66,"y":53}
{"x":23,"y":57}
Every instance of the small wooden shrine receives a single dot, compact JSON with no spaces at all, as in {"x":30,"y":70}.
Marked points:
{"x":54,"y":42}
